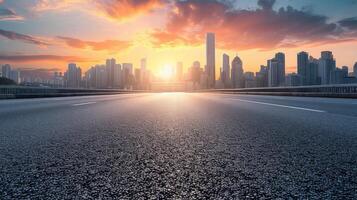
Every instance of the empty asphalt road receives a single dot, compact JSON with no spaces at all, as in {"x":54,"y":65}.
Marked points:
{"x":178,"y":146}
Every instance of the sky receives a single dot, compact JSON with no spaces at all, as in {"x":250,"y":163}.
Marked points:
{"x":48,"y":34}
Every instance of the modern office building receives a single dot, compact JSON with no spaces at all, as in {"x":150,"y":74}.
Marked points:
{"x":262,"y":77}
{"x":302,"y":66}
{"x":312,"y":77}
{"x":237,"y":71}
{"x":355,"y":69}
{"x":210,"y":59}
{"x":73,"y":76}
{"x":225,"y":75}
{"x":110,"y":65}
{"x":6,"y":71}
{"x":280,"y":58}
{"x":293,"y":79}
{"x":273,"y":73}
{"x":179,"y":71}
{"x":327,"y":65}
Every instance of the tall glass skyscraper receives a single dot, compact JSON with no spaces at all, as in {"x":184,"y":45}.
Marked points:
{"x":210,"y":59}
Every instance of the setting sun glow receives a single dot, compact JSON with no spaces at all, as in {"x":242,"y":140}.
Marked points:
{"x":166,"y":72}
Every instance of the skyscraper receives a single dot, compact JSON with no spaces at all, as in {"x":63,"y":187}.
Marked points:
{"x":226,"y":70}
{"x":110,"y":65}
{"x":6,"y":71}
{"x":355,"y":69}
{"x":312,"y":77}
{"x":179,"y":71}
{"x":280,"y":58}
{"x":273,"y":73}
{"x":73,"y":76}
{"x":262,"y":76}
{"x":327,"y":65}
{"x":210,"y":59}
{"x":237,"y":73}
{"x":302,"y":66}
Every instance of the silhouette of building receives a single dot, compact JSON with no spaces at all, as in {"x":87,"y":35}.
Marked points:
{"x":293,"y":79}
{"x":225,"y":74}
{"x":302,"y":66}
{"x":355,"y":69}
{"x":6,"y":71}
{"x":210,"y":59}
{"x":280,"y":58}
{"x":338,"y":76}
{"x":312,"y":77}
{"x":179,"y":71}
{"x":128,"y":76}
{"x":237,"y":73}
{"x":73,"y":76}
{"x":249,"y":80}
{"x":273,"y":73}
{"x":110,"y":65}
{"x":327,"y":65}
{"x":262,"y":77}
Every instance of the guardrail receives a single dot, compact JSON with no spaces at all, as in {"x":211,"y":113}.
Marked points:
{"x":339,"y":91}
{"x":7,"y":92}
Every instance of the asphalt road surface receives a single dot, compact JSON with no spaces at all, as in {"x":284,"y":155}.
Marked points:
{"x":178,"y":146}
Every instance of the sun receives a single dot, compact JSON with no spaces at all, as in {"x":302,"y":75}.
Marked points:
{"x":167,"y":72}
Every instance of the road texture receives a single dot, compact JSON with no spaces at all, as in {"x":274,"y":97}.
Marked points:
{"x":178,"y":146}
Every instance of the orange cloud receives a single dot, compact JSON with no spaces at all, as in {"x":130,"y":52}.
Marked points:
{"x":123,"y":9}
{"x":110,"y":45}
{"x":31,"y":58}
{"x":236,"y":29}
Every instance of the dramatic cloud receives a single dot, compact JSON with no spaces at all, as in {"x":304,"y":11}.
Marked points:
{"x":262,"y":28}
{"x":350,"y":23}
{"x":123,"y":9}
{"x":110,"y":45}
{"x":114,"y":9}
{"x":31,"y":58}
{"x":25,"y":38}
{"x":7,"y":15}
{"x":46,"y":5}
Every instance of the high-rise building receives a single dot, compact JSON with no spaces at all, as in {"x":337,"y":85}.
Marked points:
{"x":302,"y":66}
{"x":210,"y":59}
{"x":6,"y":71}
{"x":179,"y":71}
{"x":249,"y":80}
{"x":338,"y":76}
{"x":117,"y":76}
{"x":195,"y":72}
{"x":110,"y":65}
{"x":280,"y":58}
{"x":293,"y":79}
{"x":327,"y":65}
{"x":262,"y":77}
{"x":128,"y":76}
{"x":143,"y":63}
{"x":225,"y":75}
{"x":237,"y":73}
{"x":273,"y":73}
{"x":355,"y":69}
{"x":15,"y":76}
{"x":312,"y":77}
{"x":73,"y":76}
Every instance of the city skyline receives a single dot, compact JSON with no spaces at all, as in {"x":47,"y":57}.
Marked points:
{"x":75,"y":40}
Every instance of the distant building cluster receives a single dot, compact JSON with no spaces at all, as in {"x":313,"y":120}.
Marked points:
{"x":9,"y":73}
{"x":114,"y":75}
